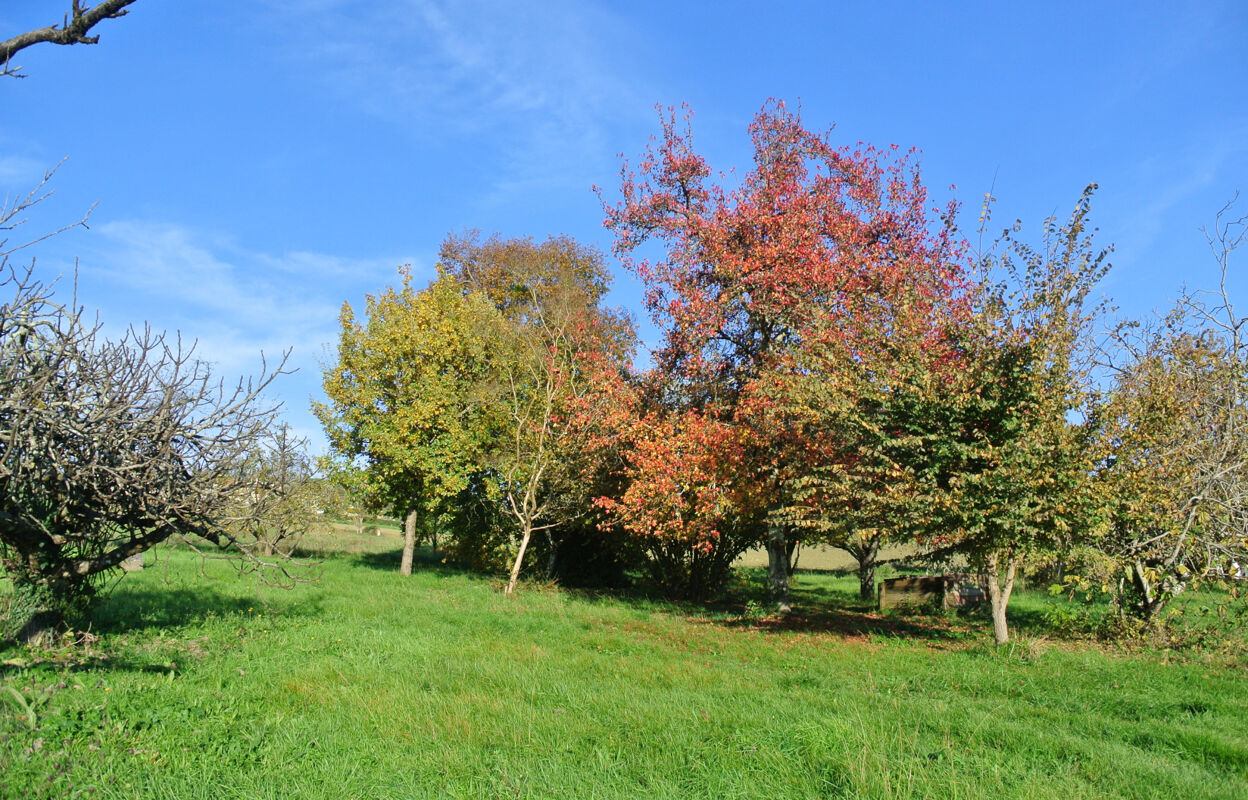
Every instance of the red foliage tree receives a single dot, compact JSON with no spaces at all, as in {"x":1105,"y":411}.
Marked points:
{"x":687,"y":500}
{"x":816,"y":246}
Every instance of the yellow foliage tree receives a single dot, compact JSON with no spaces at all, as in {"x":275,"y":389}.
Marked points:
{"x":411,"y":408}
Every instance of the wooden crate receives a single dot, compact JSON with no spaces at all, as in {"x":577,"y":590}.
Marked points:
{"x":947,"y":591}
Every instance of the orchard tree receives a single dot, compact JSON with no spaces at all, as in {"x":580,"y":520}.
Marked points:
{"x":285,"y":497}
{"x":1013,"y":478}
{"x":882,"y":422}
{"x":480,"y":390}
{"x":106,"y":449}
{"x":559,"y":351}
{"x":412,"y":399}
{"x":1176,"y":444}
{"x":688,"y":500}
{"x":969,"y":427}
{"x":812,"y":236}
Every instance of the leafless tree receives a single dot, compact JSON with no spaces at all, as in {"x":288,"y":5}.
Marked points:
{"x":106,"y":447}
{"x":75,"y":26}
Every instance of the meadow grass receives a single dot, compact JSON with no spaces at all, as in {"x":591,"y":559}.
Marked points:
{"x":369,"y":685}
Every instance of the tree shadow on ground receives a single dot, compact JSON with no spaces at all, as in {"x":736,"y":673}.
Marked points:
{"x":745,"y":604}
{"x":137,"y":609}
{"x":823,"y":608}
{"x":848,"y":624}
{"x":74,"y":660}
{"x":140,"y":610}
{"x":818,"y":607}
{"x":838,"y":614}
{"x":425,"y":559}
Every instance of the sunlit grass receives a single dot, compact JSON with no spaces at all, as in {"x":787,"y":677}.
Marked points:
{"x":369,"y":685}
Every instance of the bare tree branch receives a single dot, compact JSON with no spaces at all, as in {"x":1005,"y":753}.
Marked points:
{"x":73,"y":30}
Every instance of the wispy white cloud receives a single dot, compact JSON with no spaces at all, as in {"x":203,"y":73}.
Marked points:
{"x":1165,"y":182}
{"x":19,"y":173}
{"x":234,"y":305}
{"x":537,"y":78}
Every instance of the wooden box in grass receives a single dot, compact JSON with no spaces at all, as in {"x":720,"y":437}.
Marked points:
{"x":946,"y":591}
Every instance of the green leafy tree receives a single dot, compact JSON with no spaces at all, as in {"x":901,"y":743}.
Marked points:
{"x":971,"y":427}
{"x":1015,"y":480}
{"x":882,"y":425}
{"x":412,"y":400}
{"x":480,"y":390}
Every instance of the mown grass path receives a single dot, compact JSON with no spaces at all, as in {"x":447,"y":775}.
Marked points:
{"x":367,"y":685}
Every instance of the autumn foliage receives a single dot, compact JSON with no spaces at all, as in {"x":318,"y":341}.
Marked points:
{"x":688,"y":499}
{"x":812,"y":232}
{"x":808,"y":266}
{"x":837,"y":366}
{"x":474,"y":405}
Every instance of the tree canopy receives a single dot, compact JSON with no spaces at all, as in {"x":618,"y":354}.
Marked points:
{"x":480,"y":389}
{"x":817,"y":249}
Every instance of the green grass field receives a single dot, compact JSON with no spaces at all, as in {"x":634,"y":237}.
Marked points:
{"x":368,"y":685}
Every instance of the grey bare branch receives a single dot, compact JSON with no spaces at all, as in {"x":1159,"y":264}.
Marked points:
{"x":74,"y":29}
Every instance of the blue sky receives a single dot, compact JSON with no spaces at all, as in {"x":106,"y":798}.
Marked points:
{"x":257,"y":164}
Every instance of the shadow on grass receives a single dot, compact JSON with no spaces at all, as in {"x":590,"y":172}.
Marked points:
{"x":177,"y":611}
{"x":827,"y":602}
{"x":176,"y":615}
{"x":425,"y":559}
{"x":817,"y":608}
{"x":851,"y":624}
{"x":824,"y":601}
{"x":66,"y":660}
{"x":138,"y":609}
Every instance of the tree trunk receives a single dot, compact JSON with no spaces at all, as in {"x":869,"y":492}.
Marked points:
{"x":409,"y":543}
{"x":778,"y":568}
{"x":866,"y":557}
{"x":1151,"y":601}
{"x":37,"y":613}
{"x":866,"y":580}
{"x":515,"y":568}
{"x":999,"y":594}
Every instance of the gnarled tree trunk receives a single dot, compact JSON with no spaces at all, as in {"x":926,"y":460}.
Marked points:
{"x":866,"y":555}
{"x":1151,"y":600}
{"x":40,"y":606}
